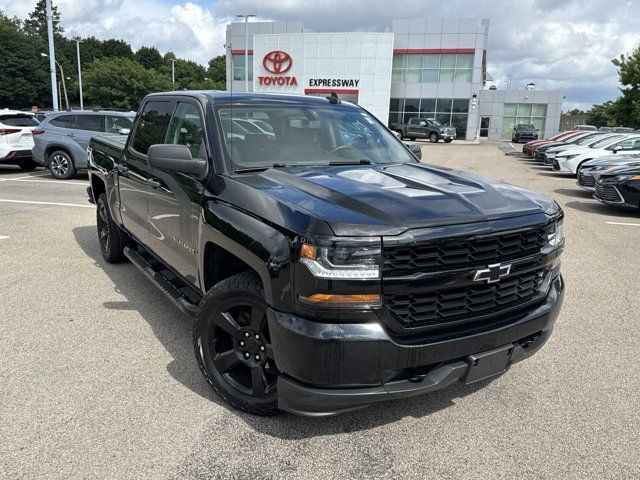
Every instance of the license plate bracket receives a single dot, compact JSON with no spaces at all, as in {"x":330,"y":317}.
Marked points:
{"x":488,"y":364}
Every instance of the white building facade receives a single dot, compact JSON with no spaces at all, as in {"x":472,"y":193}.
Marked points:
{"x":432,"y":68}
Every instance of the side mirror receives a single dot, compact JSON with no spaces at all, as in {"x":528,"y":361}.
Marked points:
{"x":415,"y":149}
{"x":616,"y":149}
{"x":124,"y":131}
{"x":176,"y":158}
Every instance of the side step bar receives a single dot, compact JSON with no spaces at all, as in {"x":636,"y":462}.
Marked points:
{"x":163,"y":283}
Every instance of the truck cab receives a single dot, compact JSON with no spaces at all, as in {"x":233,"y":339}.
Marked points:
{"x":325,"y":266}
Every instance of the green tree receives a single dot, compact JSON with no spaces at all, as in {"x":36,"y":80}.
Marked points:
{"x":24,"y":75}
{"x":36,"y":24}
{"x":217,"y":70}
{"x":149,"y":57}
{"x":121,"y":83}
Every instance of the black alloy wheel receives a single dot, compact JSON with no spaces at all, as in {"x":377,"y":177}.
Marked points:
{"x":233,"y":346}
{"x":433,"y":137}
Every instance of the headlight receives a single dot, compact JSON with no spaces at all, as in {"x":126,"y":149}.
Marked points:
{"x":569,"y":157}
{"x":341,"y":262}
{"x":442,"y":130}
{"x":555,"y":233}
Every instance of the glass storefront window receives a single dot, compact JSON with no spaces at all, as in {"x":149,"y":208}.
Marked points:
{"x":539,"y":110}
{"x":433,"y":68}
{"x":411,"y":105}
{"x":444,"y":105}
{"x":448,"y":60}
{"x":446,"y":75}
{"x":464,"y":60}
{"x":524,"y":110}
{"x":396,"y":104}
{"x":460,"y":105}
{"x":464,"y":76}
{"x":413,"y":76}
{"x":238,"y":66}
{"x":431,"y":60}
{"x":428,"y":105}
{"x":460,"y":122}
{"x":510,"y":109}
{"x":538,"y":122}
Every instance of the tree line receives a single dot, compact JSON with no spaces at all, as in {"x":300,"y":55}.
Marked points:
{"x":113,"y":75}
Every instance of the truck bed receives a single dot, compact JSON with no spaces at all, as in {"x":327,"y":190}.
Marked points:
{"x":110,"y":144}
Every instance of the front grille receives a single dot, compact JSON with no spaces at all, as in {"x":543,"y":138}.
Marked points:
{"x":608,"y":193}
{"x":449,"y":131}
{"x":586,"y":180}
{"x":446,"y":305}
{"x":467,"y":251}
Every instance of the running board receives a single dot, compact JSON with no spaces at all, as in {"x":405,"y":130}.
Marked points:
{"x":163,"y":283}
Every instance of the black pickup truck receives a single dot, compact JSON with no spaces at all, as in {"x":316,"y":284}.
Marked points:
{"x":325,"y":266}
{"x":428,"y":128}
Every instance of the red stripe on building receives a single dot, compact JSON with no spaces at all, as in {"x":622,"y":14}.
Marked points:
{"x":329,"y":90}
{"x":434,"y":50}
{"x":241,"y":52}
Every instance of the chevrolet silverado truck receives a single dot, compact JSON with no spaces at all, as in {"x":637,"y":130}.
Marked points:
{"x":428,"y":128}
{"x":326,"y":268}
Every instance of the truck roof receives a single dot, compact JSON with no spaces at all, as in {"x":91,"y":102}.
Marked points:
{"x":219,"y":96}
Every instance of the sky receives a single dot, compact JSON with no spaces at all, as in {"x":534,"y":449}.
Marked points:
{"x":566,"y":44}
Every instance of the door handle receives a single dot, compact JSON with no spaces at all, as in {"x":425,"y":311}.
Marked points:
{"x":152,"y":182}
{"x":122,"y":169}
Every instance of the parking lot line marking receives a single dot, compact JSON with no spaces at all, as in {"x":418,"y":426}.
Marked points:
{"x":64,"y":182}
{"x":624,"y":223}
{"x":2,"y":237}
{"x":47,"y":203}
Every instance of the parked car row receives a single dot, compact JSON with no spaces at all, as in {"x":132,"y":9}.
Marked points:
{"x":605,"y":163}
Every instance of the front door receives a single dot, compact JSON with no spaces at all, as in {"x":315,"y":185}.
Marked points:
{"x":133,"y":171}
{"x":174,"y":197}
{"x":484,"y":126}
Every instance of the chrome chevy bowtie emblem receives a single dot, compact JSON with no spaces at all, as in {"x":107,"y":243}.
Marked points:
{"x":492,"y":273}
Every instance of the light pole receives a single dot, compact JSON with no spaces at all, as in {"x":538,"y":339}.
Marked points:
{"x":79,"y":73}
{"x":173,"y":70}
{"x":64,"y":85}
{"x":246,"y":50}
{"x":52,"y":58}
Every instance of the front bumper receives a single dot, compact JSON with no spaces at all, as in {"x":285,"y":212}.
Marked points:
{"x":328,"y":369}
{"x":560,"y":165}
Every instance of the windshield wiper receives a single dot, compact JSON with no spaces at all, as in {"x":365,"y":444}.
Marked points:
{"x":362,"y":161}
{"x":259,"y":169}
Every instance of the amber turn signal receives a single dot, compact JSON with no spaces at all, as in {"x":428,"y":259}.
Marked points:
{"x":308,"y":251}
{"x":331,"y":300}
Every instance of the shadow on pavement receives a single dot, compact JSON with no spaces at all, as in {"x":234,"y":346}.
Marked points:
{"x":602,"y":209}
{"x":174,"y":331}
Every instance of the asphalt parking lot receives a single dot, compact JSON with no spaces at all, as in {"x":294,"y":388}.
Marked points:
{"x":98,"y":377}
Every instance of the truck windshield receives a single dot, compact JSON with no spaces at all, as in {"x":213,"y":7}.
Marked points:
{"x":285,"y":136}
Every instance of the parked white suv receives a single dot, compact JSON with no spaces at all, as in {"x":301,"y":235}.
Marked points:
{"x":16,"y":139}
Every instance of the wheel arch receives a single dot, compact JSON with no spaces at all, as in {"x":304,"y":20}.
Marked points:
{"x":55,"y":147}
{"x":232,"y":241}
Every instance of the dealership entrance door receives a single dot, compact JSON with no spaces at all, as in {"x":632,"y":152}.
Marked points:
{"x":484,"y":127}
{"x":350,"y":96}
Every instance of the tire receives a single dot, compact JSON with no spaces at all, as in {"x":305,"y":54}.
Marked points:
{"x":230,"y":317}
{"x":433,"y":137}
{"x":448,"y":140}
{"x":112,"y":239}
{"x":27,"y":164}
{"x":400,"y":134}
{"x":61,"y":165}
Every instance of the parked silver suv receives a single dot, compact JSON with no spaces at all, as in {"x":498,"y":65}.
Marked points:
{"x":61,"y":140}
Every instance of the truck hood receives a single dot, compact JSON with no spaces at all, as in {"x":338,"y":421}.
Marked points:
{"x":387,"y":200}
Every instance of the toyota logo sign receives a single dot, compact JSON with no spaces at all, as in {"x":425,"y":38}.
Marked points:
{"x":277,"y":62}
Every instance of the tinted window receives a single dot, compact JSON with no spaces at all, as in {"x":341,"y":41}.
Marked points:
{"x":152,"y":126}
{"x":186,"y":129}
{"x":18,"y":120}
{"x":63,"y":121}
{"x":93,"y":123}
{"x":116,"y":123}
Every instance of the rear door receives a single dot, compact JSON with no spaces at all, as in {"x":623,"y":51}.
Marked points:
{"x":133,"y":170}
{"x":86,"y":127}
{"x":174,"y":197}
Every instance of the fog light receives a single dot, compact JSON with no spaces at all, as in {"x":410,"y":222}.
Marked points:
{"x":331,"y":300}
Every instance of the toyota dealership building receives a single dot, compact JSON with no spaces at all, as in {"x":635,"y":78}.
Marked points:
{"x":432,"y":68}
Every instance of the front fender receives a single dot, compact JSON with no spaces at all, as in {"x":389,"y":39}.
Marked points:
{"x":264,"y":248}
